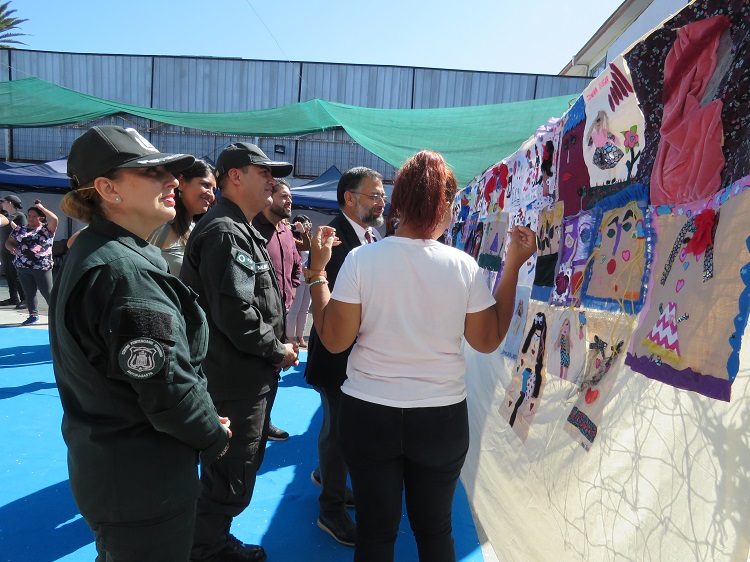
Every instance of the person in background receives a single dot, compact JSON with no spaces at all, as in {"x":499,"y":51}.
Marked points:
{"x":362,"y":200}
{"x":31,"y":246}
{"x":195,"y":195}
{"x":272,"y":224}
{"x":296,"y":318}
{"x":403,"y":422}
{"x":11,"y":205}
{"x":227,"y":264}
{"x":127,"y":341}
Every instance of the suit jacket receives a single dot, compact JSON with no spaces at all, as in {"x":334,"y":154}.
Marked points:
{"x":323,"y":367}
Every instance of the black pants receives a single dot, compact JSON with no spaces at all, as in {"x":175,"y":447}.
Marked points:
{"x":227,"y":484}
{"x":391,"y":450}
{"x":333,"y":470}
{"x":167,"y":539}
{"x":15,"y":289}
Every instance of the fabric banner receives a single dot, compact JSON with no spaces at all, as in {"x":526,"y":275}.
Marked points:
{"x":524,"y":394}
{"x":690,"y":331}
{"x":619,"y":263}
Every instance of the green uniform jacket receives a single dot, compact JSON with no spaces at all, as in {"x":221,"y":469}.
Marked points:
{"x":127,"y":343}
{"x":227,"y":264}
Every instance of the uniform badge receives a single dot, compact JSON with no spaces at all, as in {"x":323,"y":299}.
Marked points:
{"x":245,"y":261}
{"x":141,"y":358}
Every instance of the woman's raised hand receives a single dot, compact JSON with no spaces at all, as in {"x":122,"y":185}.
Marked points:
{"x":321,"y":245}
{"x":522,"y":246}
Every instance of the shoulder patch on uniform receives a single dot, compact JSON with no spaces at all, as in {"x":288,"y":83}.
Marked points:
{"x":245,"y":260}
{"x":141,"y":358}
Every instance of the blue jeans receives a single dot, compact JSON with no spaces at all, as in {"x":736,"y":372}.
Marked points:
{"x":389,"y":451}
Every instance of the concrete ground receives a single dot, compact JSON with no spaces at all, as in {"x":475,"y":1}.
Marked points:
{"x":9,"y":316}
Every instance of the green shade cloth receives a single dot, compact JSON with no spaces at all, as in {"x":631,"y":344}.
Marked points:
{"x":470,"y":138}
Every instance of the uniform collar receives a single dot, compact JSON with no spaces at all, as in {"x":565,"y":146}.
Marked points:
{"x":234,"y":212}
{"x":125,"y":237}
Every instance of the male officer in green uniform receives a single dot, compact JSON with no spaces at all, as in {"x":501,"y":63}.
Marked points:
{"x":227,"y":264}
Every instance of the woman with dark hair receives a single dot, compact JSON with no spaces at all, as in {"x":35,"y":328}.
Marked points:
{"x":408,"y":301}
{"x":31,"y":246}
{"x":296,"y":318}
{"x":127,"y":342}
{"x":194,"y":196}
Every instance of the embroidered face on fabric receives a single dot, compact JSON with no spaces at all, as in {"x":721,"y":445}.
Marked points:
{"x":691,"y":334}
{"x":618,"y":259}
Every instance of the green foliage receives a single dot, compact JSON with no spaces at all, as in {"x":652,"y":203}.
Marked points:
{"x":8,"y":24}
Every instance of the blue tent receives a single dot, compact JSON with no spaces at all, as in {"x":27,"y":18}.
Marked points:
{"x":20,"y":177}
{"x":318,"y":194}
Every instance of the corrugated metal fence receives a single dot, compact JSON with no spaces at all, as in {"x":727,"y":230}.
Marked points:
{"x":223,"y":85}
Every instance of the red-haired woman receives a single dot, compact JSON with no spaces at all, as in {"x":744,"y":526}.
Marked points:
{"x":408,"y":300}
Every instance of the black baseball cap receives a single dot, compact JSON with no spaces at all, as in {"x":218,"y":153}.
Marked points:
{"x":13,"y":199}
{"x":105,"y":148}
{"x":240,"y":154}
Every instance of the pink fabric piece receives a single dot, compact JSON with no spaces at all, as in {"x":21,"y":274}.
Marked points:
{"x":689,"y":160}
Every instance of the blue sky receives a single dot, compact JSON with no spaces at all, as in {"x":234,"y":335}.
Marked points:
{"x":538,"y":36}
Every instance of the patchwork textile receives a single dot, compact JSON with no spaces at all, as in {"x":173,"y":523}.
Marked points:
{"x":527,"y":188}
{"x":611,"y":144}
{"x":647,"y":60}
{"x":566,"y":352}
{"x":689,"y":160}
{"x":515,"y":335}
{"x":496,"y":229}
{"x":572,"y":173}
{"x":608,"y":335}
{"x":618,"y":267}
{"x":523,"y":395}
{"x":577,"y":239}
{"x":548,"y":244}
{"x":690,"y":333}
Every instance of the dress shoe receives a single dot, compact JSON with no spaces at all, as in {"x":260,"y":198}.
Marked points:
{"x":340,"y":527}
{"x":9,"y":302}
{"x":237,"y":551}
{"x":21,"y":305}
{"x":276,"y":434}
{"x":348,"y":495}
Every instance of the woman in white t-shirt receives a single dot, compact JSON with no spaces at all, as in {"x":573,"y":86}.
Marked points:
{"x":408,"y":300}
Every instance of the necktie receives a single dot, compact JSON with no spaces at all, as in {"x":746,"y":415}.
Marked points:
{"x":368,"y":237}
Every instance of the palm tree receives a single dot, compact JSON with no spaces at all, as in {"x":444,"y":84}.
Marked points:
{"x":8,"y":23}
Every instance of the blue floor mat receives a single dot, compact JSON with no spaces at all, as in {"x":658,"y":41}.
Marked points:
{"x":39,"y":521}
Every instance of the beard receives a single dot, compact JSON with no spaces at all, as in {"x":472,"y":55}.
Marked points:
{"x":280,"y":212}
{"x":368,"y":217}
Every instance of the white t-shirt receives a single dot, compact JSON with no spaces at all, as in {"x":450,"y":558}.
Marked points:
{"x":415,"y":295}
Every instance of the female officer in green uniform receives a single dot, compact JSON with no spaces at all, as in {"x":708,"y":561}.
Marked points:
{"x":127,"y":342}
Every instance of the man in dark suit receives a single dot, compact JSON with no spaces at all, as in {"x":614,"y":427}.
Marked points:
{"x":361,"y":198}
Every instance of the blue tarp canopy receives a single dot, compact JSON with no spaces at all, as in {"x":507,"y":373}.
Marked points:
{"x":17,"y":176}
{"x":318,"y":193}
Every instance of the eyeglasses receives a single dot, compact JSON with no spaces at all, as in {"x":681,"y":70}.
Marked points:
{"x":375,"y":197}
